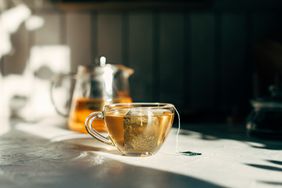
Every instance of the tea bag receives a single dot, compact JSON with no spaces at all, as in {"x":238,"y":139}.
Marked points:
{"x":140,"y":130}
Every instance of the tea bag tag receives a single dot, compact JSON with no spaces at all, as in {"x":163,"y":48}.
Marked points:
{"x":177,"y":150}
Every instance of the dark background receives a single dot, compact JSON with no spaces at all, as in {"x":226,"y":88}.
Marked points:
{"x":203,"y":57}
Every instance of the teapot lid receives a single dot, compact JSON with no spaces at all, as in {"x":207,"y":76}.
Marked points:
{"x":267,"y":102}
{"x":273,"y":101}
{"x":101,"y":66}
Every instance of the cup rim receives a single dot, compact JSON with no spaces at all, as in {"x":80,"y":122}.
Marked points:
{"x":152,"y":105}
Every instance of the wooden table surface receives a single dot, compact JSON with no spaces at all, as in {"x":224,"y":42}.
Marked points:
{"x":46,"y":155}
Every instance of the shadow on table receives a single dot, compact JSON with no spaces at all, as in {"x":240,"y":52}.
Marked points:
{"x":275,"y":162}
{"x":232,"y":132}
{"x":266,"y":167}
{"x":273,"y":183}
{"x":29,"y":161}
{"x":117,"y":174}
{"x":90,"y":144}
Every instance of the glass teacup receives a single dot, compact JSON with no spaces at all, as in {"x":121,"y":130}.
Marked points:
{"x":137,"y":129}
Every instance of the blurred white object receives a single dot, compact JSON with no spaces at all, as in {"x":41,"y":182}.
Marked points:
{"x":44,"y":60}
{"x":9,"y":87}
{"x":10,"y":21}
{"x":6,"y":45}
{"x":4,"y":110}
{"x":55,"y":57}
{"x":12,"y":18}
{"x":34,"y":22}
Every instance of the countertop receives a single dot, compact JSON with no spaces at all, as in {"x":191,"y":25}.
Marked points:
{"x":45,"y":154}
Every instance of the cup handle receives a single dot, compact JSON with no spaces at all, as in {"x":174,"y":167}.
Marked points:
{"x":88,"y":125}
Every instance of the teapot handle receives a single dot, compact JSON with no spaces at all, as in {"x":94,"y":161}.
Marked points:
{"x":54,"y":82}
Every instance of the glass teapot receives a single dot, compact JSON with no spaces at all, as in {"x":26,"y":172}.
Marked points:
{"x":265,"y":120}
{"x":92,"y":88}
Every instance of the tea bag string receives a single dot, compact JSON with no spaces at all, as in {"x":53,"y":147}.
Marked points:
{"x":178,"y":132}
{"x":177,"y":151}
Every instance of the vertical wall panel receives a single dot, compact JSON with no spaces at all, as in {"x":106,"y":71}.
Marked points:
{"x":267,"y":29}
{"x":79,"y":38}
{"x":171,"y":58}
{"x":15,"y":62}
{"x":265,"y":25}
{"x":141,"y":55}
{"x":110,"y":36}
{"x":233,"y":60}
{"x":202,"y":73}
{"x":50,"y":33}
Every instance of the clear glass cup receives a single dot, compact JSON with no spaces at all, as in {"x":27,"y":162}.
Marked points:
{"x":136,"y":129}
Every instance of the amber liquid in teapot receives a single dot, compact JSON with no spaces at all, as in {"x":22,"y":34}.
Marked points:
{"x":85,"y":106}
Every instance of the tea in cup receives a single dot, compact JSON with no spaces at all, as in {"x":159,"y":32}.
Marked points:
{"x":137,"y":129}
